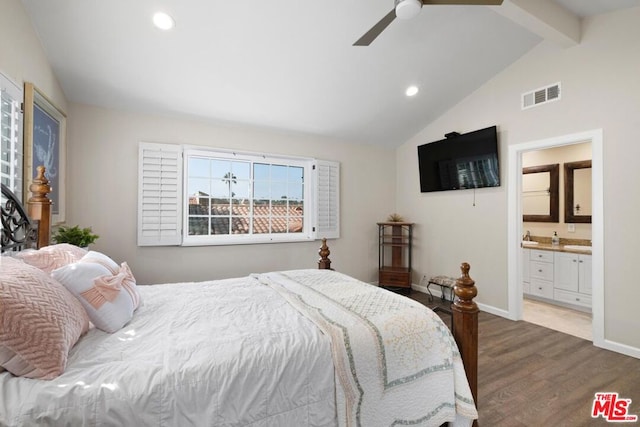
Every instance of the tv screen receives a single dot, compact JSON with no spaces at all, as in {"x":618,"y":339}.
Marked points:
{"x":460,"y":161}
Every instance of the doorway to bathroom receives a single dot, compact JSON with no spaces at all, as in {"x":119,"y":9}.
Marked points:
{"x":518,"y":159}
{"x":556,"y":215}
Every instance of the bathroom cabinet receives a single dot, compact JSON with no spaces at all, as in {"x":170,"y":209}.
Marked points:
{"x":560,"y":277}
{"x":572,"y":278}
{"x":541,"y":273}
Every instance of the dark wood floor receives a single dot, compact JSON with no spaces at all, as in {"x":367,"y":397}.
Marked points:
{"x":533,"y":376}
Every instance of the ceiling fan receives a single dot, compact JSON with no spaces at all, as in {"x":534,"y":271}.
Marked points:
{"x":406,"y":9}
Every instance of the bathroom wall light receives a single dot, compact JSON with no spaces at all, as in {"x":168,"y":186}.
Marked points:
{"x":163,"y":21}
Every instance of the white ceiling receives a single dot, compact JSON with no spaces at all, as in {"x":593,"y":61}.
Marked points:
{"x":585,"y":8}
{"x":284,"y":64}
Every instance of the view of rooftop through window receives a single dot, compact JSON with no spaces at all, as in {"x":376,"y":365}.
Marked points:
{"x":244,"y":197}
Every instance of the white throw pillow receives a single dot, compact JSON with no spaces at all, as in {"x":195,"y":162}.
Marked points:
{"x":114,"y":268}
{"x":106,"y":291}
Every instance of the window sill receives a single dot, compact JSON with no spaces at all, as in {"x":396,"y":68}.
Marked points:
{"x":244,"y":240}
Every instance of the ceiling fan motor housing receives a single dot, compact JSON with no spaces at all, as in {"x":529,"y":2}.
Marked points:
{"x":407,"y":9}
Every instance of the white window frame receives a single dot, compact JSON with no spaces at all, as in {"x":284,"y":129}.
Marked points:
{"x":235,"y":239}
{"x":162,"y":224}
{"x":15,"y":177}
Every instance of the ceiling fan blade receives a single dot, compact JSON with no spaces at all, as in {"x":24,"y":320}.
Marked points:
{"x":375,"y":31}
{"x":465,"y":2}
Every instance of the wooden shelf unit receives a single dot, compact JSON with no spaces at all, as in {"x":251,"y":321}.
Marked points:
{"x":394,"y":254}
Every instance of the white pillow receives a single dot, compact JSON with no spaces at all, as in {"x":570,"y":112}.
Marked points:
{"x":114,"y":268}
{"x":109,"y":299}
{"x":100,"y":258}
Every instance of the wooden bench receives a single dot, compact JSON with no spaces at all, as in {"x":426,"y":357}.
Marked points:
{"x":445,"y":282}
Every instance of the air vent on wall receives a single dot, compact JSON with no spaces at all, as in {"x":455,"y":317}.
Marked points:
{"x":541,"y":96}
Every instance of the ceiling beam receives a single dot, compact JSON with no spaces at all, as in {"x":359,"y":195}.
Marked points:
{"x":545,"y":18}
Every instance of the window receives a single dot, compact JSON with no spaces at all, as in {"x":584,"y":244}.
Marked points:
{"x":240,"y":197}
{"x":233,"y":198}
{"x":11,"y":136}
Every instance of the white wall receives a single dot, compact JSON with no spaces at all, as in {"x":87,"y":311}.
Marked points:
{"x":102,"y":178}
{"x":601,"y":89}
{"x":21,"y":56}
{"x":102,"y":191}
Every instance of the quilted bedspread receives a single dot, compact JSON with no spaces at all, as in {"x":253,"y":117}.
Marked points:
{"x":396,"y":363}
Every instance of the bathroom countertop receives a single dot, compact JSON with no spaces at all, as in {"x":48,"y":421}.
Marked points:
{"x":562,"y":247}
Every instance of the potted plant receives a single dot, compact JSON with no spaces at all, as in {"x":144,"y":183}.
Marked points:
{"x":75,"y":235}
{"x":394,"y":217}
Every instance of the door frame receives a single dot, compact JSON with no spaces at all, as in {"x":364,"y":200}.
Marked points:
{"x":515,"y":228}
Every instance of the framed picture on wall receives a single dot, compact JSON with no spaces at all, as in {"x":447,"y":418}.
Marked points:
{"x":45,"y":127}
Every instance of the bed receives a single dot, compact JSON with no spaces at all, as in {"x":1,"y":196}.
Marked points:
{"x":289,"y":348}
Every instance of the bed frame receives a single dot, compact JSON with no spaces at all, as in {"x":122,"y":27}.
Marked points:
{"x":31,"y":229}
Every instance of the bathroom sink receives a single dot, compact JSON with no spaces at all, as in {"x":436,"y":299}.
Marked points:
{"x":578,"y":247}
{"x":528,"y":242}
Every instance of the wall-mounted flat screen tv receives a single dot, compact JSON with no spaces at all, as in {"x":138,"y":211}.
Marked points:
{"x":460,"y":161}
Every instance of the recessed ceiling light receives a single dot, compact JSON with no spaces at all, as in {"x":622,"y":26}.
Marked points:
{"x":163,"y":21}
{"x":411,"y":91}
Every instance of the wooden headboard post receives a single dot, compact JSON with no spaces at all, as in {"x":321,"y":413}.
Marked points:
{"x":39,"y":206}
{"x":324,"y":263}
{"x":465,"y":326}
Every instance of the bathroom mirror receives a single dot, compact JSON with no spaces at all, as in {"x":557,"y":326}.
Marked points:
{"x":540,"y":193}
{"x":577,"y":192}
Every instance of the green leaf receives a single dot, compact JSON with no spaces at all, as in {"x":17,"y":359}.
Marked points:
{"x":75,"y":235}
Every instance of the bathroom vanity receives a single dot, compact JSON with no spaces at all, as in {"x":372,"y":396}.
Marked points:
{"x":560,"y":274}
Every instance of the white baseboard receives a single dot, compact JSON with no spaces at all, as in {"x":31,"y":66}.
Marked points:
{"x":607,"y":344}
{"x":419,"y":288}
{"x":620,"y":348}
{"x":483,"y":307}
{"x":494,"y":310}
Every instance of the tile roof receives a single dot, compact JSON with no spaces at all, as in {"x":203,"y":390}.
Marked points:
{"x":266,"y":219}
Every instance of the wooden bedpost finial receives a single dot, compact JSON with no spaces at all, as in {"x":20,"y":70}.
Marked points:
{"x":40,"y":187}
{"x":465,"y":290}
{"x":324,"y":263}
{"x":39,"y":206}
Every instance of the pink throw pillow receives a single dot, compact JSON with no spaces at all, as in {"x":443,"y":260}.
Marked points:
{"x":51,"y":257}
{"x":40,"y":322}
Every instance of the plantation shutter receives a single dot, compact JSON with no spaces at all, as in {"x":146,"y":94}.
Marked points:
{"x":327,"y":199}
{"x":11,"y":170}
{"x":159,"y":194}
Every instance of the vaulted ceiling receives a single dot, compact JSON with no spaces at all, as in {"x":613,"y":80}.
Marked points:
{"x":290,"y":64}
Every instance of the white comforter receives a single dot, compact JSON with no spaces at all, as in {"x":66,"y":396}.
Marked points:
{"x":256,"y":351}
{"x":224,"y":353}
